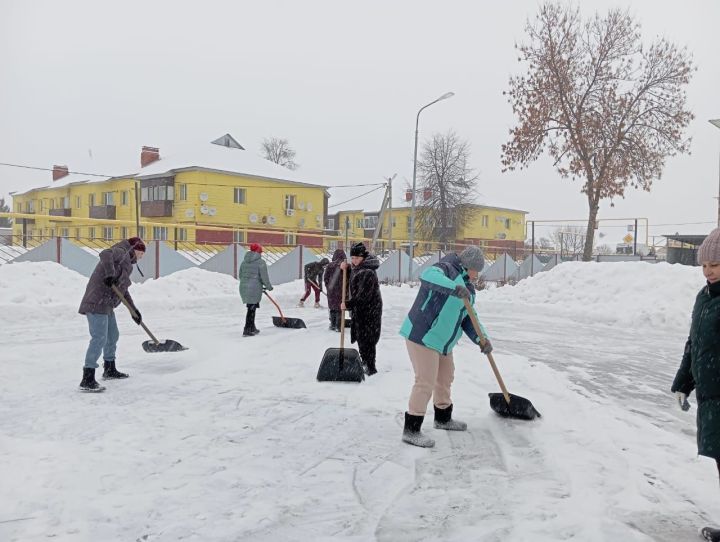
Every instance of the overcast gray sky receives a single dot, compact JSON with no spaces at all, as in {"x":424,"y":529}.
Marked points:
{"x":342,"y":81}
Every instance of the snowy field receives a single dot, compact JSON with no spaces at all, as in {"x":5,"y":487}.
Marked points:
{"x":234,"y":439}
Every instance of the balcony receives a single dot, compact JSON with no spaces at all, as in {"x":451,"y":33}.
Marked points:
{"x":26,"y":220}
{"x":103,"y":212}
{"x":60,"y":212}
{"x":156,"y":208}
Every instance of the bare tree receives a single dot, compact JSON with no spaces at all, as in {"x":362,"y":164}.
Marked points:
{"x":445,"y":187}
{"x":278,"y":150}
{"x":569,"y":240}
{"x":4,"y":208}
{"x":605,"y":108}
{"x":604,"y":249}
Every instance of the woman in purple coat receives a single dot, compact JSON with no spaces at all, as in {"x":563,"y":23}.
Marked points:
{"x":333,"y":287}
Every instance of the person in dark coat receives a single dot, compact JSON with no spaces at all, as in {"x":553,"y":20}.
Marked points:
{"x":365,"y":304}
{"x":700,"y":366}
{"x":313,"y":273}
{"x":254,"y":279}
{"x":99,"y":303}
{"x":333,"y":287}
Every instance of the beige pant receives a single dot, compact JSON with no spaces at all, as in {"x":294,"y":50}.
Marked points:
{"x":434,"y":375}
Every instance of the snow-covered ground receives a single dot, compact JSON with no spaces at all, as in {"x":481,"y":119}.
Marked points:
{"x":234,"y":439}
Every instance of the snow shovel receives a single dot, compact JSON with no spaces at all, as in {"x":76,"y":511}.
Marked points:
{"x":167,"y":345}
{"x":348,"y":321}
{"x":505,"y":404}
{"x":341,"y":364}
{"x":282,"y":321}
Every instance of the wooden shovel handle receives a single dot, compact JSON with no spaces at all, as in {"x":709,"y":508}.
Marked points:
{"x":132,"y":312}
{"x":318,"y":287}
{"x":483,"y":340}
{"x":342,"y":311}
{"x":276,"y":306}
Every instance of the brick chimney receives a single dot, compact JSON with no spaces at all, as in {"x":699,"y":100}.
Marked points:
{"x":149,"y":155}
{"x":59,"y":172}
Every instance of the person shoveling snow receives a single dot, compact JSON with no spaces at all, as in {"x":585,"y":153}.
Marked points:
{"x":98,"y":305}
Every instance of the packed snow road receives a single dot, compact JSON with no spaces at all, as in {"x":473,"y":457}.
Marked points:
{"x":235,"y":440}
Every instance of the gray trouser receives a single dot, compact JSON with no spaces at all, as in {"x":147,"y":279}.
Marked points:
{"x":104,"y":335}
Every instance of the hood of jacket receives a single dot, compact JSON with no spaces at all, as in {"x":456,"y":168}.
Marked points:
{"x":252,"y":257}
{"x":339,"y":255}
{"x":127,"y":247}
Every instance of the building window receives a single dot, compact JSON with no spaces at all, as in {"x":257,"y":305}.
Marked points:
{"x":239,"y":195}
{"x":333,"y":246}
{"x":408,"y":222}
{"x":507,"y":223}
{"x":107,"y":233}
{"x":91,"y":233}
{"x":42,"y":205}
{"x":51,"y":205}
{"x":182,"y":192}
{"x":77,"y":234}
{"x":91,"y":200}
{"x":370,"y":222}
{"x":358,"y":223}
{"x":123,"y":232}
{"x":331,"y":223}
{"x":18,"y":207}
{"x":158,"y":193}
{"x":290,"y":238}
{"x":290,"y":201}
{"x":141,"y":232}
{"x":181,"y":234}
{"x":65,"y":232}
{"x":78,"y":202}
{"x":160,"y":233}
{"x":51,"y":232}
{"x":394,"y":222}
{"x":66,"y":202}
{"x":30,"y":206}
{"x":238,"y":237}
{"x":124,"y":197}
{"x":485,"y":221}
{"x":108,"y":198}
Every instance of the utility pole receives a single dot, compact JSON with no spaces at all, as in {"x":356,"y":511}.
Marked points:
{"x":390,"y":223}
{"x":347,"y":227}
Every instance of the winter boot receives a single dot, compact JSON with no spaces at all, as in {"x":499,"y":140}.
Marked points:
{"x":301,"y":304}
{"x":248,"y":332}
{"x":110,"y":372}
{"x":443,"y":420}
{"x":708,"y":533}
{"x":370,"y":367}
{"x":332,"y":325}
{"x":317,"y":305}
{"x":88,"y":382}
{"x":413,"y":435}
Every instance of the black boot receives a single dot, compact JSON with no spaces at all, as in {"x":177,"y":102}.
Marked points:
{"x":334,"y":320}
{"x":413,"y":435}
{"x":111,"y":372}
{"x":711,"y":534}
{"x":443,"y":420}
{"x":88,"y":382}
{"x":370,"y":367}
{"x":249,"y":330}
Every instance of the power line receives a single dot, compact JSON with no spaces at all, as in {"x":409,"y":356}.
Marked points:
{"x":194,"y":184}
{"x":356,"y":197}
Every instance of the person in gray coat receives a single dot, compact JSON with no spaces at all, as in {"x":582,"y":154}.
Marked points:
{"x":254,"y":280}
{"x":98,"y":305}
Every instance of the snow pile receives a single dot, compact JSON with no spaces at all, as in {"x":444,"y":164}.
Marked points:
{"x":633,"y":294}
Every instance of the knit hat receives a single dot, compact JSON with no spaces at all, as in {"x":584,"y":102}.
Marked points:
{"x":709,"y":251}
{"x":137,"y":244}
{"x":256,"y":247}
{"x":472,"y":258}
{"x":324,"y":261}
{"x":358,"y":249}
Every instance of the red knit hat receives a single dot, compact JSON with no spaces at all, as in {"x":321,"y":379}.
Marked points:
{"x":256,"y":247}
{"x":137,"y":244}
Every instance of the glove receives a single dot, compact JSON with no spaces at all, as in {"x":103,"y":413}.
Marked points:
{"x":462,"y":292}
{"x":682,"y":400}
{"x":487,"y":347}
{"x":110,"y":281}
{"x":138,"y":317}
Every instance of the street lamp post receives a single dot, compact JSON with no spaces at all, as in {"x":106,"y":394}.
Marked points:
{"x":412,"y":208}
{"x":716,"y":123}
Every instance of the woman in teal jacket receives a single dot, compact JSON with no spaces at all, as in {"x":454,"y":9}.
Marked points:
{"x":432,"y":328}
{"x":254,"y":279}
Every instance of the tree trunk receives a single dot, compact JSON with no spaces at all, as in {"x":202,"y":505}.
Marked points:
{"x":590,"y":235}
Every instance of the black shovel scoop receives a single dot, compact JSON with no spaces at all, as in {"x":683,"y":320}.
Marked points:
{"x":284,"y":321}
{"x":154,"y":345}
{"x":505,"y":404}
